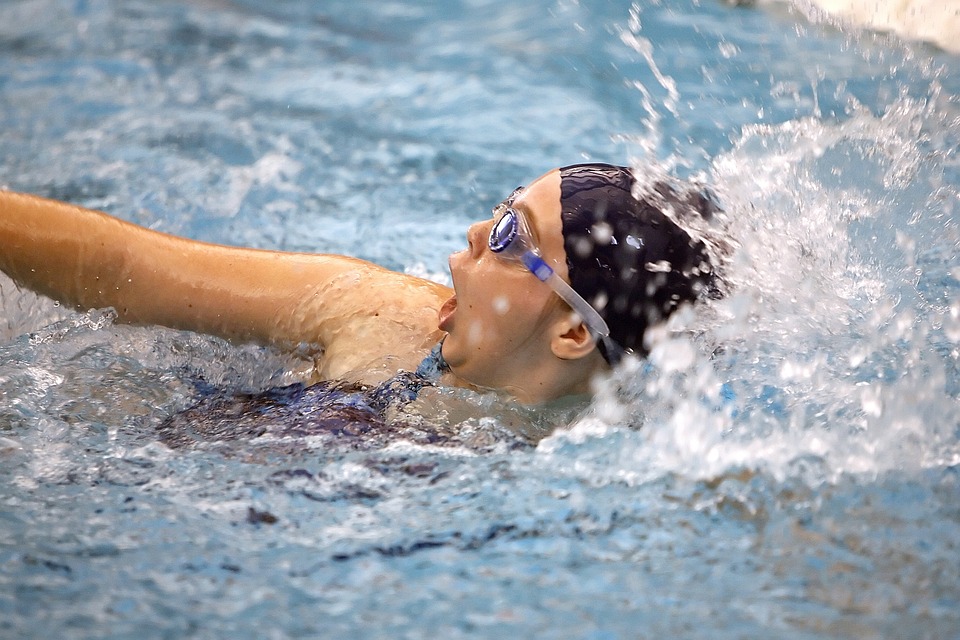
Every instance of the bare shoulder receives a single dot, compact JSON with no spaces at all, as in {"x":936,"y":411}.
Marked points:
{"x":367,"y":316}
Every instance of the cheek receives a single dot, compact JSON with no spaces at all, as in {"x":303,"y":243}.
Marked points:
{"x":485,"y":324}
{"x":497,"y":301}
{"x":507,"y":317}
{"x":501,"y":305}
{"x":505,"y":302}
{"x":476,"y":330}
{"x":490,"y":321}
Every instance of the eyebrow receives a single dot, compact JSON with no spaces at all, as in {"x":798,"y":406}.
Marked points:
{"x":509,"y":200}
{"x":506,"y":202}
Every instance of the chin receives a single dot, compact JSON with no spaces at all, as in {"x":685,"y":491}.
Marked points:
{"x":449,"y":351}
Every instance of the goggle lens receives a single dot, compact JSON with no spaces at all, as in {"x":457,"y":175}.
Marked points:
{"x":504,"y":231}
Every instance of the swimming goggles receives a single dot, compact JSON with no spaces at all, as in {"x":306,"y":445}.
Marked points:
{"x":510,"y":239}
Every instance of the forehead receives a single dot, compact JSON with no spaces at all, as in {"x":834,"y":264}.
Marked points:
{"x":541,"y":196}
{"x":540,"y":203}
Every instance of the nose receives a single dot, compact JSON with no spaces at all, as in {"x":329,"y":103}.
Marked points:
{"x":477,"y":238}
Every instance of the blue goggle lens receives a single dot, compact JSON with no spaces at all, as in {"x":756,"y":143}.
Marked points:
{"x":504,"y":231}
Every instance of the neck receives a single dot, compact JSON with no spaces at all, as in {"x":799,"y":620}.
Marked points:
{"x":552,"y":381}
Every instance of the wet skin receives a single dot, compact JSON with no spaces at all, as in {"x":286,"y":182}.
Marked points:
{"x":504,"y":328}
{"x":504,"y":325}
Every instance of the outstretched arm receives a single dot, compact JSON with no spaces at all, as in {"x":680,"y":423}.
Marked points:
{"x":90,"y":260}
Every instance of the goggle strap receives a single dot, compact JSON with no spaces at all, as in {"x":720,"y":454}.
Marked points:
{"x":536,"y":265}
{"x":587,"y":313}
{"x":545,"y":273}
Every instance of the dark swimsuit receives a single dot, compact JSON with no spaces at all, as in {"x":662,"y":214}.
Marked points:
{"x":433,"y":366}
{"x":331,"y":407}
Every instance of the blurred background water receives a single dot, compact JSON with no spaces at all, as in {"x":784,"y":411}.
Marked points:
{"x":786,"y":464}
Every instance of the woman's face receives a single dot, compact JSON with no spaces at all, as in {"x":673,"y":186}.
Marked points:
{"x":496,"y":321}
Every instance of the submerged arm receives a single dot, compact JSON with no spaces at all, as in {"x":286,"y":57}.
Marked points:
{"x":88,"y":259}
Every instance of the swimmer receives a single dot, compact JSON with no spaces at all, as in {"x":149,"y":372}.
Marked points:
{"x":553,"y":288}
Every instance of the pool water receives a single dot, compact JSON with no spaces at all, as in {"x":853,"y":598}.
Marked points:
{"x":786,"y":464}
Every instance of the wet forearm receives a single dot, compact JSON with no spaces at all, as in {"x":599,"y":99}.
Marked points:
{"x":87,"y":259}
{"x":59,"y":250}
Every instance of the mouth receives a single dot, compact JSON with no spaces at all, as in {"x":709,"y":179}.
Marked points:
{"x":445,"y":314}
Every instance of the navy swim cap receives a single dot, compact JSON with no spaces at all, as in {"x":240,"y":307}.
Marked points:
{"x":634,"y":264}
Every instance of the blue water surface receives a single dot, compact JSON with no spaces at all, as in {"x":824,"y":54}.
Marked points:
{"x":785,"y":465}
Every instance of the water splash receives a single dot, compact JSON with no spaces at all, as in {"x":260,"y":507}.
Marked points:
{"x":652,"y":105}
{"x":835,"y":352}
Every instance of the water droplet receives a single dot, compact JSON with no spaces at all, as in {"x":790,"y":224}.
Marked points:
{"x":951,"y":325}
{"x":600,"y":301}
{"x":728,"y":49}
{"x":871,"y":399}
{"x":602,"y":233}
{"x":583,"y":247}
{"x":660,"y":266}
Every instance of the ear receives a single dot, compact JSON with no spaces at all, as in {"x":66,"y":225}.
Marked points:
{"x":570,"y":339}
